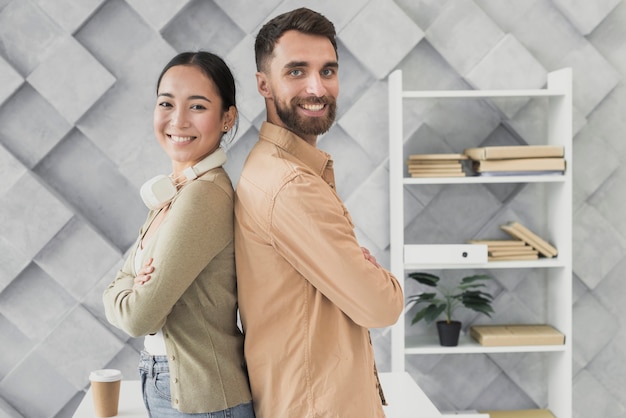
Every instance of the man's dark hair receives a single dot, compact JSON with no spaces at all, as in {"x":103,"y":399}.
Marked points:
{"x":302,"y":20}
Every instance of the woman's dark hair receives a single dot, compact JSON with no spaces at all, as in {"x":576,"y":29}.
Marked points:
{"x":213,"y":67}
{"x":216,"y":69}
{"x":302,"y":20}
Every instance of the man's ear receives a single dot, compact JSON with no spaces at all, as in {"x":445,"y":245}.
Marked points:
{"x":263,"y":85}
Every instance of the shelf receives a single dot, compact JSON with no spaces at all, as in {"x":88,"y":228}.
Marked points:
{"x":553,"y":208}
{"x":521,"y":264}
{"x":550,"y":178}
{"x":429,"y":344}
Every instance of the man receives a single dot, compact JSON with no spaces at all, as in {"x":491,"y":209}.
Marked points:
{"x":307,"y":291}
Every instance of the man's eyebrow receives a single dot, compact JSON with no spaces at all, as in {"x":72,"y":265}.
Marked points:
{"x":295,"y":64}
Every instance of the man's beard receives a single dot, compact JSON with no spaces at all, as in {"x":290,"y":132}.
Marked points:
{"x":307,"y":125}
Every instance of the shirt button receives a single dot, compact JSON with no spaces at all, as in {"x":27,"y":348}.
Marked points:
{"x":176,"y":401}
{"x":175,"y":380}
{"x":173,"y":358}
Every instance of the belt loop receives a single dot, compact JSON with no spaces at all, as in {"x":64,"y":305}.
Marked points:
{"x":155,"y":366}
{"x":151,"y":367}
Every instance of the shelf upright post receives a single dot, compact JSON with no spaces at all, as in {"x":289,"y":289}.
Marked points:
{"x":560,"y":227}
{"x":396,"y":209}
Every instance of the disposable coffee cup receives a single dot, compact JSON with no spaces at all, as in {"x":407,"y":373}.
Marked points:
{"x":105,"y":387}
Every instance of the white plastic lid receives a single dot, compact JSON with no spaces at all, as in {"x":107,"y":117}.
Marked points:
{"x":105,"y":375}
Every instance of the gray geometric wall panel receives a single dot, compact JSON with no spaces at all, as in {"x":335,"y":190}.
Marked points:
{"x":77,"y":86}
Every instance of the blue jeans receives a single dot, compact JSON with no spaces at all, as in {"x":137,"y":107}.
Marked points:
{"x":155,"y":385}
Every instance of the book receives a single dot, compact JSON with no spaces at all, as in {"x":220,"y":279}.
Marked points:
{"x":434,"y":169}
{"x":513,"y":334}
{"x":518,"y":230}
{"x":520,"y":164}
{"x":514,"y":151}
{"x":454,"y":157}
{"x":498,"y":242}
{"x":521,"y":173}
{"x":521,"y":413}
{"x":423,"y":167}
{"x":513,"y":257}
{"x":513,"y":251}
{"x":426,"y":163}
{"x":439,"y":174}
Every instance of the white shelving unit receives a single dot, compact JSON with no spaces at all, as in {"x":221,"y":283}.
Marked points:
{"x":558,"y":270}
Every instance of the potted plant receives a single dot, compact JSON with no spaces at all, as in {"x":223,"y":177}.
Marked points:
{"x":446,"y":299}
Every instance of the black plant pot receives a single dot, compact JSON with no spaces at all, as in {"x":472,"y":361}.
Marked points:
{"x":448,"y":333}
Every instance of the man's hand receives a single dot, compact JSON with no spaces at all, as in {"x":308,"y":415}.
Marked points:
{"x":369,"y":257}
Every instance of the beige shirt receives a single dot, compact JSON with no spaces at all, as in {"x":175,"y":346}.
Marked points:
{"x":307,"y":295}
{"x":191,"y":295}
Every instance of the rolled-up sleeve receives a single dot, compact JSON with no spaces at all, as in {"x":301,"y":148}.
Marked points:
{"x":312,"y":230}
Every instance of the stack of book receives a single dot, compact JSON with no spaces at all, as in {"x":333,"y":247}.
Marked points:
{"x":519,"y":231}
{"x":517,"y":159}
{"x":504,"y":250}
{"x":436,"y":165}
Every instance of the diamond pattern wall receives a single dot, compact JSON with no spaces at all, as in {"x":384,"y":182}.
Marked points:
{"x":77,"y":83}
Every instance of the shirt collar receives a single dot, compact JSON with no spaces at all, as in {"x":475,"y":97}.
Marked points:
{"x":314,"y":158}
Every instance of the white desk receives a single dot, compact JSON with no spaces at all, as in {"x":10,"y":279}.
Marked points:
{"x":405,"y":399}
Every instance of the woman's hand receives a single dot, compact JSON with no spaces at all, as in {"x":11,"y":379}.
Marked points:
{"x":144,"y":274}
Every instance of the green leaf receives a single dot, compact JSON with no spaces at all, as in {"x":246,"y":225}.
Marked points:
{"x":476,"y":277}
{"x":477,"y":301}
{"x":483,"y":309}
{"x":419,"y":315}
{"x":477,"y":295}
{"x":470,"y":286}
{"x":425,"y":278}
{"x":469,"y":282}
{"x":422,"y":298}
{"x":433,"y":312}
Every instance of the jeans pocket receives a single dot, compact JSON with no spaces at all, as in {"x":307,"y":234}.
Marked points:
{"x":161,"y":385}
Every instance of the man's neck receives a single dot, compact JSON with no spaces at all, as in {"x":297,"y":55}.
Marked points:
{"x":309,"y":139}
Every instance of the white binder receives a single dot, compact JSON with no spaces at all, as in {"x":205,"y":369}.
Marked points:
{"x":445,"y":254}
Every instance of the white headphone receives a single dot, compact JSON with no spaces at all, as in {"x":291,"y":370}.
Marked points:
{"x":160,"y":190}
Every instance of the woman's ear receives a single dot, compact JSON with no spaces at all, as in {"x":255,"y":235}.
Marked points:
{"x":263,"y":85}
{"x":230,"y":116}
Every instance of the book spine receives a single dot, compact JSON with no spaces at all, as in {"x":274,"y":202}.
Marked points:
{"x":530,"y":240}
{"x":521,"y":164}
{"x":543,"y":243}
{"x":513,"y":152}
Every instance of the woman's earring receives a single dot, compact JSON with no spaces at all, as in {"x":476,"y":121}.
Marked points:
{"x":225,"y":128}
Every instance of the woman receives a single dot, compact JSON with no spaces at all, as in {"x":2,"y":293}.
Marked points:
{"x":177,"y":287}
